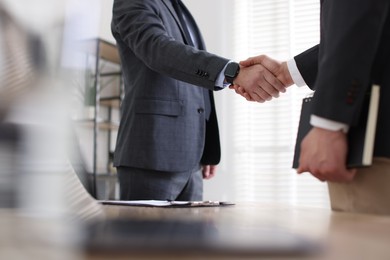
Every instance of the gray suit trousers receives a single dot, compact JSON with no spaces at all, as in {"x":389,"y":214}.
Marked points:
{"x":142,"y":184}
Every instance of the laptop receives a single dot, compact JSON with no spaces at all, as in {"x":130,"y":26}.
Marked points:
{"x":161,"y":236}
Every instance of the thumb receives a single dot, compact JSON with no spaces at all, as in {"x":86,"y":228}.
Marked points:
{"x":252,"y":61}
{"x":300,"y":170}
{"x":246,"y":63}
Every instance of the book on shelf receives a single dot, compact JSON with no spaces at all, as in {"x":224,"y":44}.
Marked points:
{"x":361,"y":137}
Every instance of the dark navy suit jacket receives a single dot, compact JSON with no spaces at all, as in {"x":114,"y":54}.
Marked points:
{"x":353,"y":54}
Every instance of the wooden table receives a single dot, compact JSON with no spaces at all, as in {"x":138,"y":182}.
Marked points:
{"x":344,"y":236}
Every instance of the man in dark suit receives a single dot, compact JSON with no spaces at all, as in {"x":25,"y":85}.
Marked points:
{"x":168,"y":136}
{"x":353,"y":54}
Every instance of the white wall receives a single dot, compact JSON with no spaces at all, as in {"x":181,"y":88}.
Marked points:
{"x":212,"y":21}
{"x":213,"y":18}
{"x":105,"y":22}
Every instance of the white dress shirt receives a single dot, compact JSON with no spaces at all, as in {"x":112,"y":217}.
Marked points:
{"x":314,"y":120}
{"x":220,"y":82}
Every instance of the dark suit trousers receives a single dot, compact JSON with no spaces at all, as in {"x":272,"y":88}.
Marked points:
{"x":142,"y":184}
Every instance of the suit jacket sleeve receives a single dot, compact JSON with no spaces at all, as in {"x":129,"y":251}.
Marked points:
{"x":141,"y":26}
{"x":346,"y":55}
{"x":307,"y":63}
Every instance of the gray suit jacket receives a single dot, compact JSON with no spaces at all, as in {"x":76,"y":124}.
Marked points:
{"x":163,"y":125}
{"x":354,"y":53}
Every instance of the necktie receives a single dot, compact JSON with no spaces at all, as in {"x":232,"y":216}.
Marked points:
{"x":177,"y":5}
{"x":188,"y":35}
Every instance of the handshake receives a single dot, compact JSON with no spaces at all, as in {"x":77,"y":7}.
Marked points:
{"x":262,"y":78}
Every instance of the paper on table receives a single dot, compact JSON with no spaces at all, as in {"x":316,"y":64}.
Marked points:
{"x":165,"y":203}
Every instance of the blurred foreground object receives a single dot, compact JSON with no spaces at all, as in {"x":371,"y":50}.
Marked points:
{"x":34,"y":120}
{"x":20,"y":66}
{"x":41,"y":199}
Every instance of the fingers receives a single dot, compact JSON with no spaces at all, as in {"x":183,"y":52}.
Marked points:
{"x":258,"y":83}
{"x":301,"y":170}
{"x":323,"y":154}
{"x":277,"y":68}
{"x":241,"y":91}
{"x":276,"y":85}
{"x":265,"y":92}
{"x":256,"y":97}
{"x":213,"y":170}
{"x":252,"y":61}
{"x":208,"y":171}
{"x":265,"y":79}
{"x":205,"y":171}
{"x":330,"y":174}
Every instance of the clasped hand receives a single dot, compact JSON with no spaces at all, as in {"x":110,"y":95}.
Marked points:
{"x":262,"y":78}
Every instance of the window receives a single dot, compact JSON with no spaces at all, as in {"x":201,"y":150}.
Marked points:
{"x":263,"y":135}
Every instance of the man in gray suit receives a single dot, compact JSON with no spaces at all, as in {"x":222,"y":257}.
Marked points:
{"x":168,"y":136}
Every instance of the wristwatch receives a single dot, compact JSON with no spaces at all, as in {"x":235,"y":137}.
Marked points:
{"x":231,"y":71}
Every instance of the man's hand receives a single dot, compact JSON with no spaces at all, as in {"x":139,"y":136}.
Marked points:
{"x":277,"y":69}
{"x":208,"y":171}
{"x":258,"y":83}
{"x":324,"y":154}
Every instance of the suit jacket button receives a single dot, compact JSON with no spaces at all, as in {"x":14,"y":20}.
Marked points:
{"x":350,"y":100}
{"x":200,"y":110}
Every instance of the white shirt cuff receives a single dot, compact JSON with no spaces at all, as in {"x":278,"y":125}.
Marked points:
{"x":328,"y":124}
{"x":295,"y":74}
{"x":220,"y":82}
